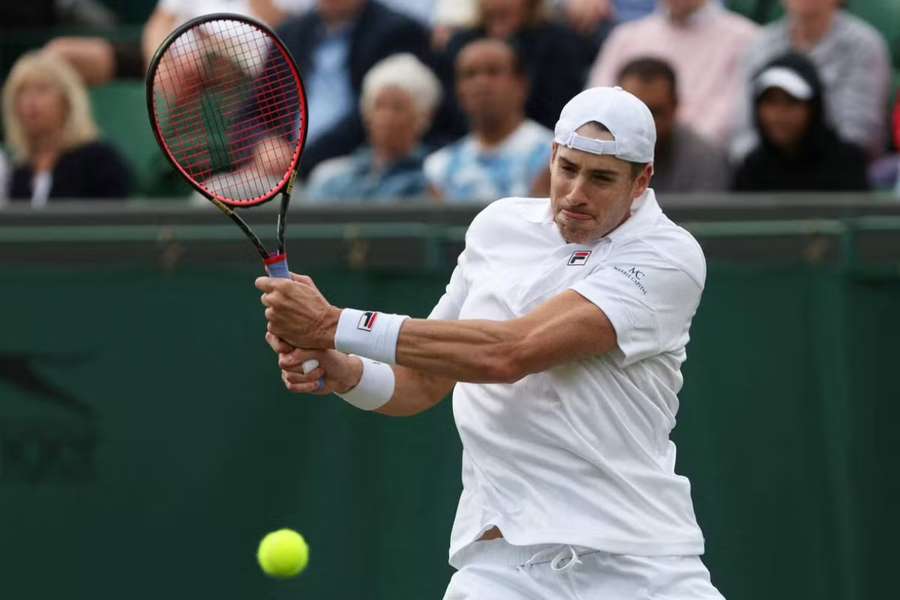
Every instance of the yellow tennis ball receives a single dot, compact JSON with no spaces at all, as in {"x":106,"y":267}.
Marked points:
{"x":283,"y":554}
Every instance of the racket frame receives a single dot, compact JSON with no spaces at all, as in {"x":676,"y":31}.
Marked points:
{"x":286,"y":185}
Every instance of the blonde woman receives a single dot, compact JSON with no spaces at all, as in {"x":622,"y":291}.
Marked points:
{"x":53,"y":139}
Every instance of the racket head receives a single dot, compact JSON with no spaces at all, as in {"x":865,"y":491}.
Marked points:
{"x":228,"y":108}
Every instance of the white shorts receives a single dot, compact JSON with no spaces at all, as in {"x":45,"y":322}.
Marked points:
{"x":497,"y":570}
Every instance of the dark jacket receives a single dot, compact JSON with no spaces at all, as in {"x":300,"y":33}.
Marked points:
{"x":377,"y":33}
{"x":824,"y":162}
{"x":95,"y":170}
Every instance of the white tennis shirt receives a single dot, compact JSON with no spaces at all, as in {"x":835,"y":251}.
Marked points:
{"x":579,"y":454}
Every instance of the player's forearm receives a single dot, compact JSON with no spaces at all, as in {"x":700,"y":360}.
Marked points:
{"x":474,"y":351}
{"x":415,"y":392}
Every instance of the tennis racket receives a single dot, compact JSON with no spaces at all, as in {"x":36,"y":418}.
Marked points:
{"x":228,"y":108}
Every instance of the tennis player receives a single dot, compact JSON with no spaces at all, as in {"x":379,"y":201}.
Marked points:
{"x":561,"y":333}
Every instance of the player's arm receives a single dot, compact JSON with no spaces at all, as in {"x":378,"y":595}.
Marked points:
{"x":566,"y":328}
{"x":414,"y":391}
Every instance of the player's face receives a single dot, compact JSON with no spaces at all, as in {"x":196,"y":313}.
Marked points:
{"x":784,"y":119}
{"x":393,"y":122}
{"x":486,"y":82}
{"x":659,"y":98}
{"x":40,"y":106}
{"x":591,"y":195}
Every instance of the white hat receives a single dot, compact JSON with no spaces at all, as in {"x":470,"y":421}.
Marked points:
{"x":627,"y":118}
{"x":785,"y":79}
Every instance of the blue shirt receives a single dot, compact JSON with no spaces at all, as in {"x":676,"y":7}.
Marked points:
{"x":465,"y":172}
{"x":354,"y":178}
{"x":330,"y":92}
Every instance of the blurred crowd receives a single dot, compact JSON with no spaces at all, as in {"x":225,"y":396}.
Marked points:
{"x":454,"y":101}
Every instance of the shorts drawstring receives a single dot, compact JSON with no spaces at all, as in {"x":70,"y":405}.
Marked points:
{"x":564,"y":561}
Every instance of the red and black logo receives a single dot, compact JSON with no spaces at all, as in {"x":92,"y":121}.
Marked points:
{"x":578,"y":258}
{"x":367,"y":321}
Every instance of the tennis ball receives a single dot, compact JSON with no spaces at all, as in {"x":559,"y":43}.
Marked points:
{"x":283,"y":554}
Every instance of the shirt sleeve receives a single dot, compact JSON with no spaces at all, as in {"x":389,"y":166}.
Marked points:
{"x":649,"y":301}
{"x":450,"y":304}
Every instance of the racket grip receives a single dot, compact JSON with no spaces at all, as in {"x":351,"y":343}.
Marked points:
{"x":277,"y":266}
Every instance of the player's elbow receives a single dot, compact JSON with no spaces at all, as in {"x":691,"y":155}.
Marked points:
{"x":503,"y":366}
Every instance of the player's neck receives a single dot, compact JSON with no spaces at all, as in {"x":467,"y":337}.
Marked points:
{"x":808,"y":30}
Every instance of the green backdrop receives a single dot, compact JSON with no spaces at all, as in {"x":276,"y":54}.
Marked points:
{"x":146,"y":443}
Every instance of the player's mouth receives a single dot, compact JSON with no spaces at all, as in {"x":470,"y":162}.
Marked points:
{"x":575,"y":215}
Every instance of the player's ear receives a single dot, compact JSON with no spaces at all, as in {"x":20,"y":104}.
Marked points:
{"x":642,"y":181}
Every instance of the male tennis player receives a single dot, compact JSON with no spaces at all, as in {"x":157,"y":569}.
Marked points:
{"x":562,"y":332}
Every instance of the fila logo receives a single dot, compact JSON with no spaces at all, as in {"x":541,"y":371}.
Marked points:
{"x":367,"y":321}
{"x":578,"y":258}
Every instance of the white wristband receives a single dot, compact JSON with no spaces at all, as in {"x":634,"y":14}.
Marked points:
{"x":369,"y":333}
{"x":375,"y":387}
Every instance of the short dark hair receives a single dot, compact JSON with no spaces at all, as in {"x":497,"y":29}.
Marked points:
{"x":647,"y":69}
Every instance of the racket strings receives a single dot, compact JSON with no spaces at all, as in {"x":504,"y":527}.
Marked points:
{"x":229,"y":108}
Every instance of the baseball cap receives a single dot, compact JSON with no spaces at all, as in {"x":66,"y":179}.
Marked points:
{"x":627,"y":118}
{"x":785,"y":79}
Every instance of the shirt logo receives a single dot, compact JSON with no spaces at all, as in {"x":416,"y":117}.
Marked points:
{"x":578,"y":258}
{"x":635,"y":275}
{"x":367,"y":321}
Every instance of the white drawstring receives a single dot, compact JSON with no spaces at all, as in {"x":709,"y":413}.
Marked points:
{"x":564,"y":561}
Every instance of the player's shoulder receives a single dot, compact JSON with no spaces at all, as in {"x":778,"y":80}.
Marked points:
{"x":510,"y":210}
{"x":667,"y":244}
{"x":508,"y":214}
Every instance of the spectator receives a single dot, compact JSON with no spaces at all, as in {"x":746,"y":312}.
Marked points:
{"x":335,"y":45}
{"x":853,"y":62}
{"x":43,"y":14}
{"x":399,"y":97}
{"x":505,"y":154}
{"x":798,"y":150}
{"x":555,"y":59}
{"x":685,"y":162}
{"x":99,"y":60}
{"x":53,"y":138}
{"x":704,"y":43}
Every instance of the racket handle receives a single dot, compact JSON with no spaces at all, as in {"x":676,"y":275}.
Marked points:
{"x":277,"y":266}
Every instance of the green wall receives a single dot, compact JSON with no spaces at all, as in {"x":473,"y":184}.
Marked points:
{"x":146,"y":443}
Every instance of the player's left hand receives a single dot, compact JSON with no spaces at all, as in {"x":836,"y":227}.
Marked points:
{"x":297,"y":312}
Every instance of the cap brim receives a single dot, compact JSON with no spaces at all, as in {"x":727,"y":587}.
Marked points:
{"x":783,"y":79}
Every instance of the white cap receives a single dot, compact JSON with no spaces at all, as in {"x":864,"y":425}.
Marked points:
{"x":627,"y":118}
{"x":784,"y":79}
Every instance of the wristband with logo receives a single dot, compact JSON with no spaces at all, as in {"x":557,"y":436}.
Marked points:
{"x":369,"y":333}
